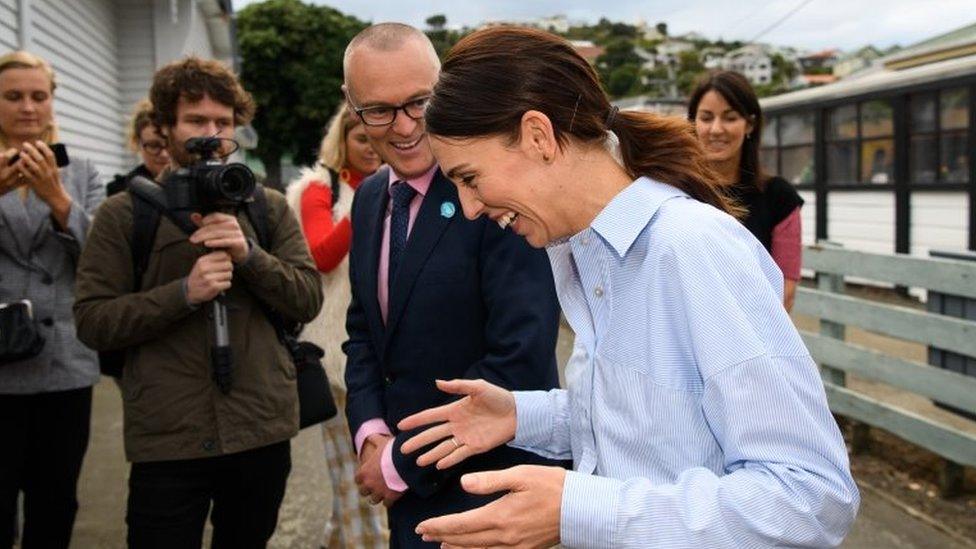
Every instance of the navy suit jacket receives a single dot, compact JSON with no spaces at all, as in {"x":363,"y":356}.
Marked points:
{"x":469,"y":300}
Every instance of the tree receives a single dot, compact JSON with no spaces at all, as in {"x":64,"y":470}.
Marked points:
{"x":623,"y":80}
{"x":291,"y":62}
{"x":436,"y":22}
{"x":662,"y":28}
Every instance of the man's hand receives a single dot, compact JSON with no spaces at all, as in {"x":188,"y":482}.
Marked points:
{"x":221,"y":231}
{"x":484,"y":419}
{"x":527,"y":516}
{"x":369,"y":476}
{"x":211,"y":274}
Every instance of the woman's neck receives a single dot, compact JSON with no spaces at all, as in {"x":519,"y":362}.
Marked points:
{"x":727,"y":171}
{"x":18,"y":142}
{"x":598,"y":179}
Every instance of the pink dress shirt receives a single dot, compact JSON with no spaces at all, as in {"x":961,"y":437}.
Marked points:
{"x":377,"y":426}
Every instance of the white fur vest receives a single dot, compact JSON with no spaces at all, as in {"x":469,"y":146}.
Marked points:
{"x":328,"y":330}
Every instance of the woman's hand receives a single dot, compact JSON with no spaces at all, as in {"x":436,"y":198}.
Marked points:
{"x":40,"y":169}
{"x":10,"y":176}
{"x":484,"y":419}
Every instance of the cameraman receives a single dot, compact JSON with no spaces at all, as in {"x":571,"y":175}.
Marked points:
{"x":191,"y":444}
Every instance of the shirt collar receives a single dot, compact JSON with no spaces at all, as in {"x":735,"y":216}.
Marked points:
{"x":624,"y":218}
{"x":420,"y":183}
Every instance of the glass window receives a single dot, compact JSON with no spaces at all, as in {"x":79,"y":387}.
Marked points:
{"x":842,"y":163}
{"x":842,"y":123}
{"x":769,"y":132}
{"x":798,"y":164}
{"x":953,"y":158}
{"x":876,"y":119}
{"x":922,"y":108}
{"x":954,"y":109}
{"x":921,"y":159}
{"x":877,"y":161}
{"x":767,"y":160}
{"x":796,"y":129}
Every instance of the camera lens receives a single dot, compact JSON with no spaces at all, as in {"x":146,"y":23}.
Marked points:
{"x":236,"y":182}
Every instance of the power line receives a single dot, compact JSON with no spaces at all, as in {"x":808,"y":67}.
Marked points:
{"x":781,"y":20}
{"x":748,"y":16}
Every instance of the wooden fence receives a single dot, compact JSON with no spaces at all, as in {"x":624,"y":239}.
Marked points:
{"x":837,"y":311}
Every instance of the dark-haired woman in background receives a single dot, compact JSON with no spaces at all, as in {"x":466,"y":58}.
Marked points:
{"x":694,"y":415}
{"x":729,"y":124}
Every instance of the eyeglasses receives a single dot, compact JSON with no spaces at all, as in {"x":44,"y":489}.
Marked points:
{"x":153,"y":147}
{"x":384,"y":115}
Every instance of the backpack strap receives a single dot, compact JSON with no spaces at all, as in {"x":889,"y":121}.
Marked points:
{"x":257,"y":214}
{"x":145,"y":221}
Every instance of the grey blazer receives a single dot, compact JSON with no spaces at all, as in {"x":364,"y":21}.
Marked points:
{"x":37,"y":262}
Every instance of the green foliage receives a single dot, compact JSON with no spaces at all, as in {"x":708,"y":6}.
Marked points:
{"x":442,"y":38}
{"x":662,"y":28}
{"x":436,"y":22}
{"x":624,"y":80}
{"x":292,"y":64}
{"x":619,"y":53}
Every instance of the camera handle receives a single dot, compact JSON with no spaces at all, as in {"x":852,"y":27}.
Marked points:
{"x":221,"y":355}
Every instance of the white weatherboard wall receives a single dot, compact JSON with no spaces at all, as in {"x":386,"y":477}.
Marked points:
{"x":79,"y":39}
{"x":104,"y":53}
{"x":8,"y":25}
{"x":808,"y":217}
{"x":862,"y":220}
{"x":939,"y":222}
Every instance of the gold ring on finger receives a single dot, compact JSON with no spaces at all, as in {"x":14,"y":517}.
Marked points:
{"x":455,"y":441}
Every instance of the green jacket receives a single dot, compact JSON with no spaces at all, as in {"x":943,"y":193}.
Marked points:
{"x":172,"y":408}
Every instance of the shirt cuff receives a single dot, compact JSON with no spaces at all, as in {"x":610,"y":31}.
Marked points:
{"x":251,"y":244}
{"x":533,"y":419}
{"x":390,"y":475}
{"x":185,"y":288}
{"x":369,"y":428}
{"x":588,"y":508}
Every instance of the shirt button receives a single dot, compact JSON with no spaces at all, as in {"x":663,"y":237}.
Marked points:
{"x":598,"y":291}
{"x":585,"y":240}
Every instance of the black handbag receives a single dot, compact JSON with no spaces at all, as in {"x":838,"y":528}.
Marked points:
{"x":20,"y":337}
{"x":315,"y":401}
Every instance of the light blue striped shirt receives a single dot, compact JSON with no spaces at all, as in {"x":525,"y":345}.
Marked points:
{"x":695,"y":416}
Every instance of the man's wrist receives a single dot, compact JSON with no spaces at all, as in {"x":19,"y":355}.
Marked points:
{"x":247,"y":255}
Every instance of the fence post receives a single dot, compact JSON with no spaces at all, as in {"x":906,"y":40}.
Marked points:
{"x":834,"y":283}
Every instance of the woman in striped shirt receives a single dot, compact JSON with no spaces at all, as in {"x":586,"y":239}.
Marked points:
{"x":694,"y":415}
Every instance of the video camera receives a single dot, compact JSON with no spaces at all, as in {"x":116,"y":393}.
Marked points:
{"x":209,"y":185}
{"x":205,"y":187}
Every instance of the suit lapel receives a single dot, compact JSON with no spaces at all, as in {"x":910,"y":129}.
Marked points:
{"x":19,"y":223}
{"x":374,"y":211}
{"x":38,"y":213}
{"x":427,"y":231}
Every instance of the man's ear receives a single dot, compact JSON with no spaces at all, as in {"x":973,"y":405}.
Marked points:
{"x":537,"y":136}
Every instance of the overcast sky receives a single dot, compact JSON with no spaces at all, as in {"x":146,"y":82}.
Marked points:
{"x":847,"y":24}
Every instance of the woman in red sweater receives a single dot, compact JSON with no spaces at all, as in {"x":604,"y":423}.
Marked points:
{"x":322,"y":198}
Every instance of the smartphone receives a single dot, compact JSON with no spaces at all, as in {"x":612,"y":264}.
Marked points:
{"x":60,"y":155}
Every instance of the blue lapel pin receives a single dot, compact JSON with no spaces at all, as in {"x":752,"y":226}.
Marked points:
{"x":448,"y":210}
